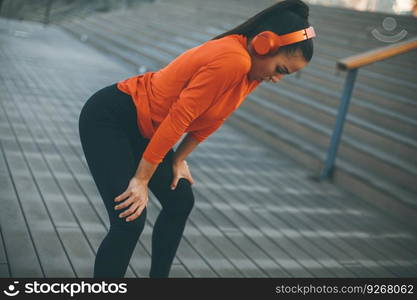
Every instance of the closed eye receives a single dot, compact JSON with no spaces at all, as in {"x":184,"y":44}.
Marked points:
{"x":282,"y":71}
{"x":279,"y":70}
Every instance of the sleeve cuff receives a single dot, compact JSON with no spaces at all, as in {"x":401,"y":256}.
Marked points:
{"x":198,"y":137}
{"x":151,"y":158}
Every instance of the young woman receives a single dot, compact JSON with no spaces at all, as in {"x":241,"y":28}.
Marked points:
{"x":128,"y":129}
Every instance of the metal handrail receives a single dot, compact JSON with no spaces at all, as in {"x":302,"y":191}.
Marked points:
{"x":369,"y":57}
{"x":48,"y":12}
{"x":352,"y":64}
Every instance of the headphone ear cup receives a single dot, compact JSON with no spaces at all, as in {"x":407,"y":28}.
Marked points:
{"x":261,"y":43}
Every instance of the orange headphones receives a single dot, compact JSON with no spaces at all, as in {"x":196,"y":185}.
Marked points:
{"x":268,"y":41}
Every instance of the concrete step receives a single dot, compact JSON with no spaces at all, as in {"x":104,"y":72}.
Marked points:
{"x":369,"y":157}
{"x":364,"y":131}
{"x":352,"y":18}
{"x":107,"y":44}
{"x":381,"y":193}
{"x":376,"y":115}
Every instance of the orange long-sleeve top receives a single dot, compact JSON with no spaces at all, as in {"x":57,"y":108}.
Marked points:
{"x":194,"y":93}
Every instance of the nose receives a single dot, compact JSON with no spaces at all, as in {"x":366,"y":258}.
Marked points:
{"x":277,"y":78}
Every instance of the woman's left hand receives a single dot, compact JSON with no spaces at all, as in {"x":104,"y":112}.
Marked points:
{"x":180,"y":170}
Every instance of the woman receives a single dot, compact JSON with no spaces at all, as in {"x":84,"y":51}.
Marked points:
{"x":128,"y":129}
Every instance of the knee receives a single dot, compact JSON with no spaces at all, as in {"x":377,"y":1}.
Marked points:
{"x":182,"y":200}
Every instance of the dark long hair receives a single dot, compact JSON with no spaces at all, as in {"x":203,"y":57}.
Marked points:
{"x":282,"y":17}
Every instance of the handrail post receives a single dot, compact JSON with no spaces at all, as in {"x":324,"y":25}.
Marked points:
{"x":337,"y":132}
{"x":47,"y":12}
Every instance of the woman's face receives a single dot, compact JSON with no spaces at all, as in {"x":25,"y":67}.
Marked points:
{"x":273,"y":68}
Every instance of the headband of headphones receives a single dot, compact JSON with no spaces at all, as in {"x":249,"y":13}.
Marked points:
{"x":268,"y":41}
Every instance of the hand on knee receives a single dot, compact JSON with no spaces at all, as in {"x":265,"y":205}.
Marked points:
{"x":180,"y":170}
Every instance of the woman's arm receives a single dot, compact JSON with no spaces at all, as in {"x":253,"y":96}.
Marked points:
{"x":187,"y":145}
{"x":179,"y":165}
{"x":146,"y":169}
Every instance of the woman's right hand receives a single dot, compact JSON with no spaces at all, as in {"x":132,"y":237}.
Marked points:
{"x":137,"y":199}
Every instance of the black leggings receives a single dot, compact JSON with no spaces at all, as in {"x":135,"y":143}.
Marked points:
{"x":113,"y":147}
